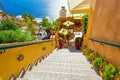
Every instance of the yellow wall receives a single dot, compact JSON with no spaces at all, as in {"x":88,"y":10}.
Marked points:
{"x":9,"y":63}
{"x":86,"y":37}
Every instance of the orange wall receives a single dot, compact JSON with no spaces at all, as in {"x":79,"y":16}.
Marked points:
{"x":86,"y":37}
{"x":106,"y":26}
{"x":106,"y":23}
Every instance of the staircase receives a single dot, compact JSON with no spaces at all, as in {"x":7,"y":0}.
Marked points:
{"x":63,"y":64}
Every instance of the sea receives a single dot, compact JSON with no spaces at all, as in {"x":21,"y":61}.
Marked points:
{"x":38,"y":8}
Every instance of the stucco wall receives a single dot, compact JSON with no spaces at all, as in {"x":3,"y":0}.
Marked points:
{"x":106,"y":27}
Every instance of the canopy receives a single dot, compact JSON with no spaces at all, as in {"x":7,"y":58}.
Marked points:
{"x":68,"y":23}
{"x":64,"y":31}
{"x":79,"y":6}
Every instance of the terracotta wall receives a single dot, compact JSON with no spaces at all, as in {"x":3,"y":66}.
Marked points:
{"x":106,"y":27}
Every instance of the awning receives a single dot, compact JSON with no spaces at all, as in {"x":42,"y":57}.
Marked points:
{"x":79,"y":6}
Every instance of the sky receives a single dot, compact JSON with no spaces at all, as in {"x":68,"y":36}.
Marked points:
{"x":41,"y":7}
{"x":55,"y":6}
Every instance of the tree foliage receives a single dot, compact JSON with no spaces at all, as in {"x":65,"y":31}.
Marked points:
{"x":28,"y":17}
{"x":85,"y":23}
{"x":46,"y":24}
{"x":56,"y":23}
{"x":10,"y":32}
{"x":8,"y":25}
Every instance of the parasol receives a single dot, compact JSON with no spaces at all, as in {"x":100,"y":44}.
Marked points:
{"x":68,"y":23}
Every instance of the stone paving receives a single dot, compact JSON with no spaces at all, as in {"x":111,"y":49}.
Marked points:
{"x":63,"y":64}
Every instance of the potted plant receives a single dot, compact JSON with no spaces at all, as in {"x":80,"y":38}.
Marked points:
{"x":77,"y":42}
{"x":60,"y":42}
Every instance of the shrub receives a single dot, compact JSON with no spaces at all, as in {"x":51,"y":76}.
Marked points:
{"x":98,"y":61}
{"x":9,"y":36}
{"x":84,"y":50}
{"x":8,"y":25}
{"x":109,"y":72}
{"x":91,"y":56}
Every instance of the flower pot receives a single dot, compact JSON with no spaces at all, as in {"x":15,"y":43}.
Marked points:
{"x":60,"y":44}
{"x":77,"y":42}
{"x":77,"y":45}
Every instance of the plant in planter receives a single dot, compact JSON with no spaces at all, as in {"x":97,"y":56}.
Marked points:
{"x":60,"y":42}
{"x":109,"y":72}
{"x":77,"y":42}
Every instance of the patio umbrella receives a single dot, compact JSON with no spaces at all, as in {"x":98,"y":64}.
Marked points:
{"x":68,"y":23}
{"x":64,"y":31}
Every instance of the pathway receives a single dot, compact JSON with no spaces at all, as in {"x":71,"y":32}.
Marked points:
{"x":63,"y":64}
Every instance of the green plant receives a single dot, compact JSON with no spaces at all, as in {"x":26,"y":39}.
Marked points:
{"x":9,"y":36}
{"x":109,"y":72}
{"x":117,"y":75}
{"x":85,"y":23}
{"x":77,"y":39}
{"x":84,"y":50}
{"x":29,"y":25}
{"x":27,"y":17}
{"x":88,"y":51}
{"x":98,"y":61}
{"x":56,"y":23}
{"x":8,"y":25}
{"x":91,"y":56}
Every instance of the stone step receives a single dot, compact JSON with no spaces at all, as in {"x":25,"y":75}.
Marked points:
{"x":60,"y":76}
{"x":63,"y":61}
{"x":66,"y":65}
{"x":28,"y":79}
{"x":66,"y":58}
{"x":65,"y":70}
{"x":64,"y":54}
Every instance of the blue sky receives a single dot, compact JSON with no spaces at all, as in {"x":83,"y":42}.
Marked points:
{"x":41,"y":7}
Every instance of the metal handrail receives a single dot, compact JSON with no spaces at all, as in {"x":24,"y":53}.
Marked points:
{"x":105,"y":42}
{"x":3,"y":47}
